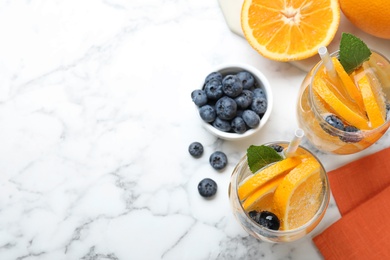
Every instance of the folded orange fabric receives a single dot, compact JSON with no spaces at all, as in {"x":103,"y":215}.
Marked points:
{"x":361,"y":190}
{"x":363,"y":233}
{"x":357,"y":181}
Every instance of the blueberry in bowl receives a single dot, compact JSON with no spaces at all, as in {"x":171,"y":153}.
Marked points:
{"x":234,"y":101}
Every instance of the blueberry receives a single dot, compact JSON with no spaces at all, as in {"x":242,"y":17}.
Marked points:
{"x":244,"y":100}
{"x":251,"y":119}
{"x":207,"y":113}
{"x":350,"y":138}
{"x":277,"y":148}
{"x":238,"y":125}
{"x":226,"y":108}
{"x":259,"y":105}
{"x":195,"y":149}
{"x":222,"y":125}
{"x":213,"y":75}
{"x":213,"y":89}
{"x":218,"y":160}
{"x":247,"y":80}
{"x":232,"y":86}
{"x":199,"y":97}
{"x":207,"y":187}
{"x":266,"y":219}
{"x":259,"y":92}
{"x":334,"y":121}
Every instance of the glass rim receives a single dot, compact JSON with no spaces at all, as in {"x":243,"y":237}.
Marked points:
{"x":362,"y":132}
{"x":321,"y":210}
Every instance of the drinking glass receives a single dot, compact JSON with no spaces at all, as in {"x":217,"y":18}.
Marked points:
{"x":242,"y":172}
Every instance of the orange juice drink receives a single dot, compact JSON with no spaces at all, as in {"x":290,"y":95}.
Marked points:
{"x":277,"y":198}
{"x":345,"y":112}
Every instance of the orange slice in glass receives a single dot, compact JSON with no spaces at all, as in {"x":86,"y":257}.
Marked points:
{"x":297,"y":197}
{"x":339,"y":105}
{"x":349,"y":85}
{"x":266,"y":174}
{"x":372,"y":98}
{"x":289,"y":30}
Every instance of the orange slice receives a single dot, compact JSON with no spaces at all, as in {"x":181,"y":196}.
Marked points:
{"x":349,"y":85}
{"x":372,"y":98}
{"x":289,"y":30}
{"x":257,"y":197}
{"x":297,"y":197}
{"x":265,"y":175}
{"x":338,"y":105}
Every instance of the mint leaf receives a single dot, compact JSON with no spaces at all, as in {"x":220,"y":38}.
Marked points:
{"x":260,"y":156}
{"x":353,"y":52}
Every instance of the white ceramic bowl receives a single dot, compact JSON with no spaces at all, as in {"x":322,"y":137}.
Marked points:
{"x":262,"y":81}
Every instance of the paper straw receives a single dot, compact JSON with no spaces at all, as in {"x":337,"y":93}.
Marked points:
{"x":293,"y":146}
{"x":324,"y":54}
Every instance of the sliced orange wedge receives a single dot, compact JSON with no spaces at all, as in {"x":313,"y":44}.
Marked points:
{"x":372,"y":98}
{"x":349,"y":85}
{"x":257,"y":197}
{"x":297,"y":197}
{"x":260,"y":178}
{"x":289,"y":30}
{"x":339,"y":106}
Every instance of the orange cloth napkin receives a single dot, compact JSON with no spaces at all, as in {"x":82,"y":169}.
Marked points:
{"x":361,"y":190}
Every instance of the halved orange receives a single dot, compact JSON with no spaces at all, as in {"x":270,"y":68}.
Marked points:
{"x":372,"y":98}
{"x":288,"y":30}
{"x":265,"y":175}
{"x":297,"y":197}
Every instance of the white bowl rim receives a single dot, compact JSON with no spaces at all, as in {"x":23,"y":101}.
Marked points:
{"x":266,"y":86}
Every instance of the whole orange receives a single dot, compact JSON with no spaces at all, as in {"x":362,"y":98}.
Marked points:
{"x":371,"y":16}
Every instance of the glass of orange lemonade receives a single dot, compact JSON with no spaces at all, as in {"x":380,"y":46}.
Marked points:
{"x":344,"y":113}
{"x":277,"y":198}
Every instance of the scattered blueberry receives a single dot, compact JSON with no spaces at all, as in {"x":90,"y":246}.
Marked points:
{"x":266,"y":219}
{"x":218,"y":160}
{"x":244,"y":100}
{"x":213,"y":75}
{"x":348,"y":137}
{"x":246,"y":79}
{"x":232,"y":86}
{"x":213,"y":89}
{"x":251,"y":119}
{"x":259,"y":92}
{"x":199,"y":97}
{"x":195,"y":149}
{"x":207,"y":113}
{"x":226,"y":108}
{"x":259,"y":105}
{"x":238,"y":125}
{"x":222,"y":125}
{"x":277,"y":148}
{"x":207,"y":188}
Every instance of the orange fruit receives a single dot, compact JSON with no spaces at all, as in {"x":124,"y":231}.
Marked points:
{"x":373,"y":17}
{"x":265,"y":175}
{"x":297,"y":197}
{"x":289,"y":30}
{"x":339,"y":104}
{"x":372,"y":98}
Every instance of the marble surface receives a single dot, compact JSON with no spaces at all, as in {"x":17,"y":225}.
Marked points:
{"x":96,"y":119}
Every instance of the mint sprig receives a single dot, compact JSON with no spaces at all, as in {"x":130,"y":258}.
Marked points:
{"x":260,"y":156}
{"x":353,"y":52}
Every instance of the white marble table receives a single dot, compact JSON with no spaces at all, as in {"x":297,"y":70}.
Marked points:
{"x":95,"y":122}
